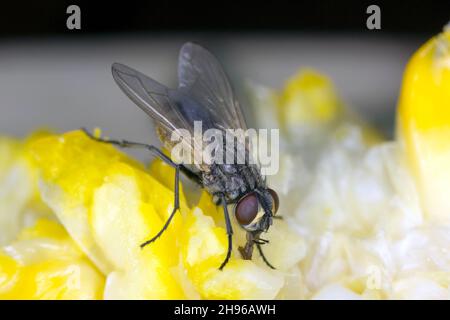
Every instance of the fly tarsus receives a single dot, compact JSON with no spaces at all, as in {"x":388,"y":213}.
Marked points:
{"x":261,"y":253}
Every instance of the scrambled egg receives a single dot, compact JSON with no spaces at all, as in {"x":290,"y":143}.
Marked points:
{"x":362,"y":218}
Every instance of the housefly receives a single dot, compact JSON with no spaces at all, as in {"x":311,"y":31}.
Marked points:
{"x":204,"y":94}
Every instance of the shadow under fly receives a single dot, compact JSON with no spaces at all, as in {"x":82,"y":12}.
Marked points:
{"x":204,"y":94}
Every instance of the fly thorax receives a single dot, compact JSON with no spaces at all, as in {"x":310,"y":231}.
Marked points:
{"x":231,"y":180}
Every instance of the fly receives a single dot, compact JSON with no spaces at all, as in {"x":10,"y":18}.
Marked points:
{"x":204,"y":94}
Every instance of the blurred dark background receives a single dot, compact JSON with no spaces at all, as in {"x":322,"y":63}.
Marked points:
{"x":60,"y":78}
{"x":44,"y":18}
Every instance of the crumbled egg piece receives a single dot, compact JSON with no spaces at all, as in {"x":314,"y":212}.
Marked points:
{"x":44,"y":263}
{"x":20,"y":200}
{"x":375,"y":217}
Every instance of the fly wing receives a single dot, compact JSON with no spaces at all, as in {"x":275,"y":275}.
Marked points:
{"x":150,"y":95}
{"x":202,"y":76}
{"x":157,"y":101}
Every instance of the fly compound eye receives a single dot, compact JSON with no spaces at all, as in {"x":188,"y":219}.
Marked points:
{"x":275,"y":201}
{"x":246,"y":209}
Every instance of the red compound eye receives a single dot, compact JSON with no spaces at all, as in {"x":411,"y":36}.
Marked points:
{"x":247,"y":209}
{"x":275,"y":201}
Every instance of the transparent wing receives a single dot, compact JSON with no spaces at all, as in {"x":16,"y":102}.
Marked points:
{"x":202,"y":76}
{"x":204,"y":94}
{"x":158,"y":102}
{"x":149,"y":95}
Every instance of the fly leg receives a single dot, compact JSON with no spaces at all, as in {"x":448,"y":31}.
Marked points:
{"x":247,"y":251}
{"x":229,"y":231}
{"x":130,"y":144}
{"x":258,"y":246}
{"x":176,"y":206}
{"x":163,"y":157}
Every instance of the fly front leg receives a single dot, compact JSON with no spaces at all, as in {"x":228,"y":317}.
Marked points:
{"x":258,"y":246}
{"x":229,"y":231}
{"x":252,"y":240}
{"x":163,"y":157}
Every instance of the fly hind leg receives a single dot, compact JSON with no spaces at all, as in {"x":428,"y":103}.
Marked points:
{"x":163,"y":157}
